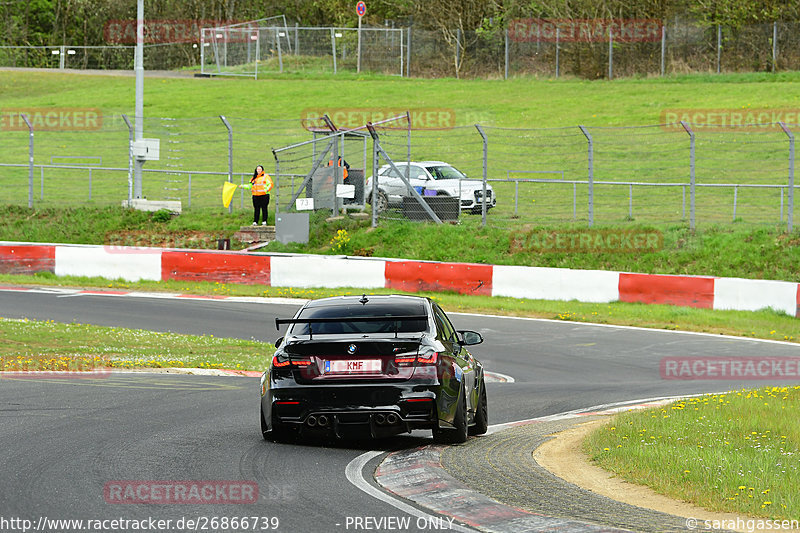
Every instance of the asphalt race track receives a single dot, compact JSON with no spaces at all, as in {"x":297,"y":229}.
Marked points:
{"x":64,"y":440}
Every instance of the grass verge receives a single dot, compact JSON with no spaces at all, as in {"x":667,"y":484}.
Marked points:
{"x":48,"y":345}
{"x":734,"y":452}
{"x":765,"y":324}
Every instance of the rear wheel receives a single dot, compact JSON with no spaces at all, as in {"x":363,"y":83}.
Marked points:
{"x":481,"y":413}
{"x":278,"y":433}
{"x":382,"y":202}
{"x":458,"y":434}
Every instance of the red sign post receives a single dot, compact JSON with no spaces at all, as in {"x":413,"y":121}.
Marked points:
{"x":361,"y":10}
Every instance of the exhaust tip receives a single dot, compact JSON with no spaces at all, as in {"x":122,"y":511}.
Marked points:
{"x":392,"y":419}
{"x":380,"y":419}
{"x":322,"y":421}
{"x":311,"y":421}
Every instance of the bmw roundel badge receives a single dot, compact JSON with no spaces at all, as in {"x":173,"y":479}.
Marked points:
{"x":352,"y":349}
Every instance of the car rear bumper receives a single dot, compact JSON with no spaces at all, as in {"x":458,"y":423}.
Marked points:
{"x":354,"y":412}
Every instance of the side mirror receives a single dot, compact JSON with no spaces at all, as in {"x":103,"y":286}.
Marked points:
{"x":278,"y":342}
{"x":470,"y":338}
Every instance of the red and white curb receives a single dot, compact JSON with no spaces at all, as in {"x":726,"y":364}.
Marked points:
{"x":415,"y":481}
{"x":327,"y":271}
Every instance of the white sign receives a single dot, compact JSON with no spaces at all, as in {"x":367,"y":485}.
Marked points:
{"x":304,"y":204}
{"x":345,"y":191}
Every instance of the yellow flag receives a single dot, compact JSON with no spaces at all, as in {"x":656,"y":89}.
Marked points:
{"x":227,"y":193}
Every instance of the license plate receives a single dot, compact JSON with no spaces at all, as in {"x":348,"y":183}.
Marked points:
{"x":353,"y":366}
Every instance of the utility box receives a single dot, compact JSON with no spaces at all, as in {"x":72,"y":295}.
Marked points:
{"x":291,"y":227}
{"x":146,"y":149}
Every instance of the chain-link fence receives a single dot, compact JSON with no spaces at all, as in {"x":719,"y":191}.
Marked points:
{"x":667,"y":173}
{"x":545,"y":47}
{"x":247,"y":50}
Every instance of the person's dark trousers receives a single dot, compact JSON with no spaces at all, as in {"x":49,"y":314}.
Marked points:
{"x":260,"y":204}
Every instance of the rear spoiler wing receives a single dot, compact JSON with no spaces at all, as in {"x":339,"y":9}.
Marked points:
{"x":309,"y":321}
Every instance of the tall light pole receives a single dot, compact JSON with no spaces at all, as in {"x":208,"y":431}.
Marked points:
{"x":138,"y":68}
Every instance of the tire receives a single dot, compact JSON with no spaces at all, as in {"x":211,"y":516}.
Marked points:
{"x":481,"y":413}
{"x":458,"y":434}
{"x":278,"y":433}
{"x":382,"y":202}
{"x":264,"y":429}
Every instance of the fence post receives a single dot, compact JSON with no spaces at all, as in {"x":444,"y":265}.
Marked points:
{"x":374,"y":192}
{"x":557,"y":39}
{"x":230,"y":154}
{"x":485,"y":169}
{"x":735,"y":197}
{"x":335,"y":159}
{"x":277,"y":184}
{"x":574,"y":201}
{"x":506,"y":54}
{"x":610,"y":54}
{"x":591,"y":174}
{"x":683,"y":202}
{"x":663,"y":47}
{"x":258,"y":51}
{"x":691,"y":172}
{"x":130,"y":159}
{"x":408,"y":54}
{"x":630,"y":201}
{"x":790,"y":207}
{"x":333,"y":47}
{"x":202,"y":51}
{"x":774,"y":44}
{"x":30,"y":159}
{"x":719,"y":46}
{"x":280,"y":53}
{"x":297,"y":38}
{"x":458,"y":48}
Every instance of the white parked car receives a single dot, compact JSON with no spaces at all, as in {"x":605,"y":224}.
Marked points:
{"x":430,"y":178}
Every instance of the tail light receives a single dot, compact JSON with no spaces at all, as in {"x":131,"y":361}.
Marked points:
{"x":408,"y":359}
{"x":286,"y":361}
{"x":428,"y":359}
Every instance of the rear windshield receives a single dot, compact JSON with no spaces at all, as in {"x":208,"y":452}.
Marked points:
{"x":346,"y":312}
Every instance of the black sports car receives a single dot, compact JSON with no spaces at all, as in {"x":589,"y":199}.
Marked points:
{"x":373,"y":366}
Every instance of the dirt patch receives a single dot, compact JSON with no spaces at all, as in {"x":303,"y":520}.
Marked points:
{"x":564,"y":457}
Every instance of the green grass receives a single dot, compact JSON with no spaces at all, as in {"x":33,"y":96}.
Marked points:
{"x":734,"y":452}
{"x":118,"y":226}
{"x":517,"y":102}
{"x":47,"y":345}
